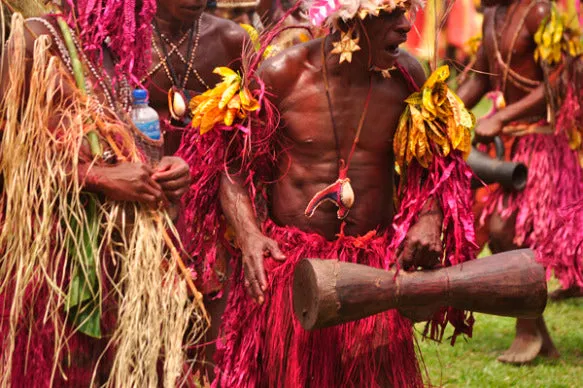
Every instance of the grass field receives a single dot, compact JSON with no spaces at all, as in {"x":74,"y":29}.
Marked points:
{"x":472,"y":362}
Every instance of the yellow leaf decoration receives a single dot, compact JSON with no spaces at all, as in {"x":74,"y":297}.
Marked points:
{"x":555,"y":38}
{"x":228,"y":101}
{"x":435,"y":121}
{"x":256,"y":42}
{"x":473,"y":44}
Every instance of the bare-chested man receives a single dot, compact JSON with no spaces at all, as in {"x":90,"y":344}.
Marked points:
{"x":187,"y":45}
{"x":318,"y":180}
{"x":507,"y":64}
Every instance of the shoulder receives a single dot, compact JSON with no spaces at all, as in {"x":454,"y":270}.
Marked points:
{"x":226,"y":30}
{"x":286,"y":66}
{"x":539,"y":11}
{"x":413,"y":67}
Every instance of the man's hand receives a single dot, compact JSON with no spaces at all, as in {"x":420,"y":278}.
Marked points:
{"x":130,"y":182}
{"x":173,"y":175}
{"x":422,"y":246}
{"x":255,"y":247}
{"x":487,"y":129}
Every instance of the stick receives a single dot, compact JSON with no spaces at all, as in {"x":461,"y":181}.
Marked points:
{"x":183,"y":269}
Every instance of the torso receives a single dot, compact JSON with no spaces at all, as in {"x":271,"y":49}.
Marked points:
{"x":99,"y":84}
{"x":219,"y":45}
{"x":508,"y":24}
{"x":309,"y":162}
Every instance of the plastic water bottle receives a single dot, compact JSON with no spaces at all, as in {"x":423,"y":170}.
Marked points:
{"x":145,"y":118}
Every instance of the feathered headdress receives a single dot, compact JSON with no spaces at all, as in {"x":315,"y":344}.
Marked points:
{"x":326,"y":13}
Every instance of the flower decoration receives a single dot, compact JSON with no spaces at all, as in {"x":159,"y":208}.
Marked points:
{"x":228,"y":100}
{"x":328,"y":12}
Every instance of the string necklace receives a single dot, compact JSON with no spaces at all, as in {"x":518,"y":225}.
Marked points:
{"x":192,"y":47}
{"x":178,"y":94}
{"x":340,"y":192}
{"x":162,"y":59}
{"x":520,"y":82}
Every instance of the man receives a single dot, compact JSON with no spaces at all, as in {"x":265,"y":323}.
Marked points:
{"x":187,"y":45}
{"x":325,"y":136}
{"x":239,"y":11}
{"x":533,"y":76}
{"x":87,"y":294}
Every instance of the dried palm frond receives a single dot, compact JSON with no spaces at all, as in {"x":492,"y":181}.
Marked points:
{"x":46,"y":215}
{"x":28,"y":8}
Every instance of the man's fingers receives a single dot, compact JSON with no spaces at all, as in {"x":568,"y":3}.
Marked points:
{"x":154,"y":184}
{"x":149,"y":200}
{"x":406,"y":257}
{"x":250,"y":280}
{"x":276,"y":253}
{"x":175,"y":184}
{"x":429,"y":255}
{"x":260,"y":273}
{"x":170,"y":175}
{"x":257,"y":291}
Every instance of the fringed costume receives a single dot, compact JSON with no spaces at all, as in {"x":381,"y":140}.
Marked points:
{"x":551,"y":148}
{"x":235,"y":128}
{"x":90,"y":290}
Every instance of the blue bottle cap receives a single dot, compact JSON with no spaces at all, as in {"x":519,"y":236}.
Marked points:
{"x":140,"y":95}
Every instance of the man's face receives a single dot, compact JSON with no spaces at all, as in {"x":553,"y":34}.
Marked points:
{"x":386,"y":32}
{"x":183,"y":10}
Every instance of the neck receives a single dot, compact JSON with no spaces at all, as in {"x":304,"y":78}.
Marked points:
{"x":169,"y":25}
{"x":359,"y":66}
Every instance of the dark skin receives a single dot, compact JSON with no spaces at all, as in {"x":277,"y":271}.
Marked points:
{"x":532,"y":337}
{"x":124,"y":181}
{"x":310,"y":164}
{"x":520,"y":104}
{"x":220,"y":44}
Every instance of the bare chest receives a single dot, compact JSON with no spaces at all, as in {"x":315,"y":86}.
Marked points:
{"x":507,"y":37}
{"x":510,"y":48}
{"x":185,"y":65}
{"x":315,"y":124}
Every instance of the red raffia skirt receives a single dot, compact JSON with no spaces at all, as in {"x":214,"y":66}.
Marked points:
{"x":265,"y":346}
{"x":34,"y":354}
{"x":555,"y":182}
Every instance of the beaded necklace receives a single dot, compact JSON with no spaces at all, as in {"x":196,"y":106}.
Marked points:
{"x":118,"y":99}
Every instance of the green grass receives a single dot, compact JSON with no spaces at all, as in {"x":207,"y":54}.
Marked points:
{"x":472,"y":361}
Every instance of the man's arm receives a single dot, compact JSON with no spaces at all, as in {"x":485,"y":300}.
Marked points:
{"x":423,"y":246}
{"x":531,"y":104}
{"x":255,"y":247}
{"x":472,"y":91}
{"x":239,"y":213}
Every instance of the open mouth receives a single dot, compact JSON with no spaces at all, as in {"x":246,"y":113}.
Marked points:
{"x":392,"y":49}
